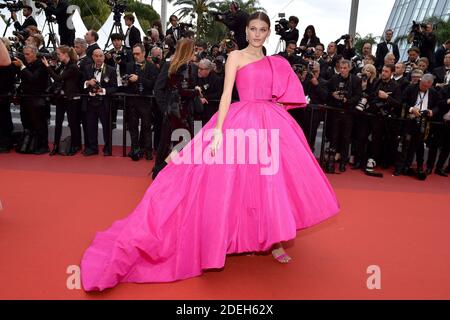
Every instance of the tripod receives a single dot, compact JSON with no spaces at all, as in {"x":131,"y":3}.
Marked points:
{"x":52,"y":38}
{"x":281,"y":46}
{"x":116,"y":28}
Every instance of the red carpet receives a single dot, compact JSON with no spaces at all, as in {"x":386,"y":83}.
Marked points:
{"x":52,"y":208}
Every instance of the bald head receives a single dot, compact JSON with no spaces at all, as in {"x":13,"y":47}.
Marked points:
{"x":99,"y":57}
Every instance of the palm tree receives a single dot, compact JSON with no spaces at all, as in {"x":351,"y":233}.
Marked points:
{"x":197,"y":9}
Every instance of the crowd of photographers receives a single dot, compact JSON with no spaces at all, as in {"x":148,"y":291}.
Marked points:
{"x":384,"y":111}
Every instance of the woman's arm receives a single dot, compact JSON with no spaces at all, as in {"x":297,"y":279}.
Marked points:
{"x":5,"y":60}
{"x":231,"y":68}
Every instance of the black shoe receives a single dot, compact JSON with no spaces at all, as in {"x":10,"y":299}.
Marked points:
{"x":441,"y":172}
{"x":421,"y":175}
{"x":410,"y":172}
{"x":135,"y":155}
{"x":357,"y":165}
{"x":397,"y":172}
{"x":74,"y":150}
{"x":5,"y":150}
{"x":54,"y":151}
{"x":148,"y":155}
{"x":89,"y":152}
{"x":42,"y":150}
{"x":342,"y":167}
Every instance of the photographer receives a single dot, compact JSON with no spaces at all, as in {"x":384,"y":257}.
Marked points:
{"x":91,"y":38}
{"x":118,"y":57}
{"x":441,"y":138}
{"x":290,"y":54}
{"x":152,"y":41}
{"x":442,"y":74}
{"x":346,"y":49}
{"x":156,"y":57}
{"x":59,"y":9}
{"x":292,"y":33}
{"x":413,"y":59}
{"x":384,"y":100}
{"x":399,"y":76}
{"x":440,"y":53}
{"x":140,"y":81}
{"x":29,"y":20}
{"x":385,"y":47}
{"x":175,"y":92}
{"x":132,"y":35}
{"x":316,"y":88}
{"x":344,"y":93}
{"x":174,"y":31}
{"x":34,"y":80}
{"x":100,"y":81}
{"x":67,"y":89}
{"x":236,"y":21}
{"x":210,"y":86}
{"x":422,"y":103}
{"x":7,"y":79}
{"x":310,"y":40}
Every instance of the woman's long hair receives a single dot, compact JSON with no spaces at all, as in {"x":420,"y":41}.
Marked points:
{"x":313,"y":36}
{"x":183,"y":54}
{"x":69,"y":51}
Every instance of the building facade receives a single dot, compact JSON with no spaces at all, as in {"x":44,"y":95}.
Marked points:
{"x":405,"y":12}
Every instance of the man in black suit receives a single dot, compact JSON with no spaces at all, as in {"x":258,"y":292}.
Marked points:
{"x":133,"y":35}
{"x":100,"y":83}
{"x":34,"y":80}
{"x":236,"y":20}
{"x":442,"y":74}
{"x":29,"y":20}
{"x":142,"y":79}
{"x":385,"y":47}
{"x":292,"y":33}
{"x":440,"y":54}
{"x":91,"y":38}
{"x":174,"y":31}
{"x":60,"y":9}
{"x":422,"y":104}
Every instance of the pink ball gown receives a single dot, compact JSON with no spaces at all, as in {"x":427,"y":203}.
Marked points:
{"x":195,"y":213}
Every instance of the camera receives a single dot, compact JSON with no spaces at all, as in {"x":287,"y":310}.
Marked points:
{"x":363,"y":77}
{"x":48,"y":56}
{"x":417,"y":33}
{"x":184,"y":28}
{"x":12,"y":5}
{"x":156,"y":60}
{"x":96,"y":87}
{"x":363,"y":103}
{"x":357,"y":62}
{"x":345,"y":37}
{"x":281,"y":25}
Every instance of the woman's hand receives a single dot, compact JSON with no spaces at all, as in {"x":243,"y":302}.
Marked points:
{"x":216,"y":141}
{"x":45,"y":61}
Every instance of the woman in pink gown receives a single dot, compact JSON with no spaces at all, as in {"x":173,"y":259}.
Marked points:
{"x":214,"y":198}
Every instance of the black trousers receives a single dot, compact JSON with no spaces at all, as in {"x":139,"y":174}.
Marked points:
{"x":33,"y":113}
{"x":364,"y":126}
{"x":72,"y":107}
{"x":341,"y":136}
{"x":140,"y":109}
{"x":6,"y":124}
{"x":310,"y":121}
{"x":83,"y":120}
{"x":412,"y":145}
{"x":439,"y":140}
{"x":98,"y":109}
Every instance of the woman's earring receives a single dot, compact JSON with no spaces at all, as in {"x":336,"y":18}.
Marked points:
{"x":246,"y":37}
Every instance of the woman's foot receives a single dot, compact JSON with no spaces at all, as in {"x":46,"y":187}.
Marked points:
{"x":281,"y":256}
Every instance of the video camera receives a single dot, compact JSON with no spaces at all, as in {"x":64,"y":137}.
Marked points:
{"x":282,"y":25}
{"x":118,"y":7}
{"x":12,"y":5}
{"x":49,"y":3}
{"x":48,"y":56}
{"x":417,"y":32}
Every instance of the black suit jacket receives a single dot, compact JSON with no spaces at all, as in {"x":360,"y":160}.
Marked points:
{"x":34,"y":81}
{"x":439,"y":56}
{"x":147,"y":76}
{"x":134,"y":36}
{"x":291,"y":35}
{"x":108,"y":79}
{"x":410,"y":98}
{"x":28,"y":22}
{"x":70,"y":77}
{"x":440,"y":74}
{"x":382,"y":51}
{"x":90,"y":49}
